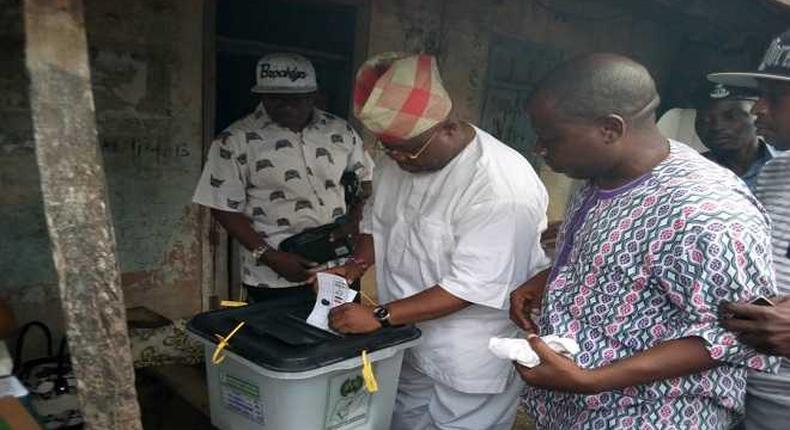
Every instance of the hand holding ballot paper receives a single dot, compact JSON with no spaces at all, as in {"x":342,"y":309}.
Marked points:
{"x":332,"y":291}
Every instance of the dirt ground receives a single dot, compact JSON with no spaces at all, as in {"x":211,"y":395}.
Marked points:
{"x":523,"y":422}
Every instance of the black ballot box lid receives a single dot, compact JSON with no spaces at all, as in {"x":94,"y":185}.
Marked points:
{"x":277,"y":337}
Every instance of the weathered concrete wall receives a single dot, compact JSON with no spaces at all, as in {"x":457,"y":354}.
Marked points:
{"x":27,"y":274}
{"x":461,"y":33}
{"x":146,"y":62}
{"x":147,"y":71}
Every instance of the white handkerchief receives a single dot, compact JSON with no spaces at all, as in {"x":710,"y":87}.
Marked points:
{"x":333,"y":291}
{"x":520,"y":350}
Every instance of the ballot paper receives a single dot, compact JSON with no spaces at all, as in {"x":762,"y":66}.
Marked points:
{"x":519,"y":350}
{"x":333,"y":291}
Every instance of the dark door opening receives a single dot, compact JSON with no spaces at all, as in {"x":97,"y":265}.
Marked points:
{"x":322,"y":31}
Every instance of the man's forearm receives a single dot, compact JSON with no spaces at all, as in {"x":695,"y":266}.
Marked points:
{"x":430,"y":304}
{"x":539,"y":280}
{"x":240,"y":227}
{"x":364,"y":248}
{"x":668,"y":360}
{"x":367,"y":189}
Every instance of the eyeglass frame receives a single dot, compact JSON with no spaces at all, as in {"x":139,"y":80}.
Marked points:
{"x":407,"y":155}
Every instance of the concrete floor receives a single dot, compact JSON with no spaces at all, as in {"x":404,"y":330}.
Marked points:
{"x":162,"y":409}
{"x":523,"y":422}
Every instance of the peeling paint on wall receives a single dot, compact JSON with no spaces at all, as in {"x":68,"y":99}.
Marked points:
{"x":121,"y":73}
{"x":147,"y":86}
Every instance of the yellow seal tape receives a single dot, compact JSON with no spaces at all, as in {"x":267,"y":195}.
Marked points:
{"x":232,"y":304}
{"x":216,"y":358}
{"x":367,"y":373}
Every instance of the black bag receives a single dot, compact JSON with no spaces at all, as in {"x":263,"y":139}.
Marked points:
{"x":51,"y":382}
{"x":318,"y":245}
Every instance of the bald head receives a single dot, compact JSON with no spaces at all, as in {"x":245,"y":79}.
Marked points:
{"x":593,"y":86}
{"x":594,"y":118}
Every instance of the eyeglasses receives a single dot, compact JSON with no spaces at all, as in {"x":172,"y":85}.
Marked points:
{"x":396,"y":153}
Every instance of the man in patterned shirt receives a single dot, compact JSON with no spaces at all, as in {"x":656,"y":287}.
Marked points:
{"x":650,"y":248}
{"x":276,"y":173}
{"x":767,"y":328}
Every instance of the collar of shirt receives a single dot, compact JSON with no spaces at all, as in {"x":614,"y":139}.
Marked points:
{"x":772,"y":151}
{"x":765,"y":153}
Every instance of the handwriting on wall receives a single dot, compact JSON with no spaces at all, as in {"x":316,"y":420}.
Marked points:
{"x":144,"y":147}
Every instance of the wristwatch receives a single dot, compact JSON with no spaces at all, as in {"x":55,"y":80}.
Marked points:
{"x":258,"y":252}
{"x":382,"y":314}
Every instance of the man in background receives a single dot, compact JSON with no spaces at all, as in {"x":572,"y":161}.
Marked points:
{"x":725,"y":125}
{"x":767,"y":328}
{"x":276,"y":173}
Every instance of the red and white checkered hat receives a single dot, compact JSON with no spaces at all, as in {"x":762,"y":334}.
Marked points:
{"x":399,"y":96}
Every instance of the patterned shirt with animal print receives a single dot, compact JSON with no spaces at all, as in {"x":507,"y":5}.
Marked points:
{"x":285,"y":182}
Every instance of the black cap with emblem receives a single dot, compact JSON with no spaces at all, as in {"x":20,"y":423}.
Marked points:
{"x":710,"y":93}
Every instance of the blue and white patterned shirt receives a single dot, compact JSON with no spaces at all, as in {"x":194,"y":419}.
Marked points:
{"x":648,"y":263}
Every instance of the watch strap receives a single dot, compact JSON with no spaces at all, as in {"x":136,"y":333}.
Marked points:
{"x":382,"y":314}
{"x":258,"y":252}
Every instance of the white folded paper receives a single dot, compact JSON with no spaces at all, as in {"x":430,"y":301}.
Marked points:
{"x":333,"y":291}
{"x":520,"y":350}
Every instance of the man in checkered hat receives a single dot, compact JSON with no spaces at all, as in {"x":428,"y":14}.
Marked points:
{"x":276,"y":173}
{"x":454,"y":227}
{"x":767,"y":328}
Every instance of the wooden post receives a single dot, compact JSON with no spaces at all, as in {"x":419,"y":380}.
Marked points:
{"x":77,"y":212}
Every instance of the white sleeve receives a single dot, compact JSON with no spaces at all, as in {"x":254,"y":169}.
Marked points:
{"x":497,"y":249}
{"x":223,"y":183}
{"x":366,"y":223}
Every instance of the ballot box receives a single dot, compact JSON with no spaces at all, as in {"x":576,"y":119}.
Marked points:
{"x":279,"y":373}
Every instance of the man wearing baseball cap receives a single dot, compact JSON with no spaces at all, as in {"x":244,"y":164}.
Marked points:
{"x":725,"y":125}
{"x":453,"y":228}
{"x":276,"y":173}
{"x":766,"y":326}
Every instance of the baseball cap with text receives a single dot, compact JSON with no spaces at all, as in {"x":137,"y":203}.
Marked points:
{"x":775,"y":66}
{"x":284,"y":74}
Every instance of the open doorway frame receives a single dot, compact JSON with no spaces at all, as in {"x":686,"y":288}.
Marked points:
{"x":217,"y":277}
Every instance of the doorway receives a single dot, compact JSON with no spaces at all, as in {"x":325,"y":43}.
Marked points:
{"x":324,"y":32}
{"x":328,"y":33}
